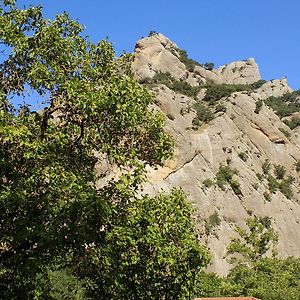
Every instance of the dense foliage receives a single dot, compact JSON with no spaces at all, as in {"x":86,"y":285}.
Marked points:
{"x":63,"y":233}
{"x":177,"y":86}
{"x":285,"y":106}
{"x":269,"y":279}
{"x":153,"y":252}
{"x":282,"y":106}
{"x":214,"y":92}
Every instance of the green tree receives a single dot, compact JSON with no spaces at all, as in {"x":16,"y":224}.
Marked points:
{"x":269,"y":279}
{"x":208,"y":285}
{"x":254,"y":242}
{"x":56,"y":220}
{"x":209,"y":66}
{"x":254,"y":275}
{"x":60,"y":285}
{"x":152,"y":253}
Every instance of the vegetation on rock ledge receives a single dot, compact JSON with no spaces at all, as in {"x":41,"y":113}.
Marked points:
{"x":177,"y":86}
{"x":285,"y":106}
{"x":214,"y":92}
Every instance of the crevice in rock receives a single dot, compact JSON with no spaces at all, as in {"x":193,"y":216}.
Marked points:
{"x":275,"y":139}
{"x":182,"y":166}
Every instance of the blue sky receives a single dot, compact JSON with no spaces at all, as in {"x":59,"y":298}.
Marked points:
{"x":218,"y":31}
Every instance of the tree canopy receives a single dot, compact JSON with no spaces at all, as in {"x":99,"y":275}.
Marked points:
{"x":63,"y":235}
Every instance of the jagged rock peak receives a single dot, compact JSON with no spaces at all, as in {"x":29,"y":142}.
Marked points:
{"x":155,"y":39}
{"x":240,"y":72}
{"x":156,"y":54}
{"x":275,"y":88}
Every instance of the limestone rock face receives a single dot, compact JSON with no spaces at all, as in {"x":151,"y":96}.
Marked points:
{"x":159,"y":54}
{"x":208,"y":75}
{"x":156,"y":54}
{"x":239,"y":72}
{"x":199,"y":153}
{"x":274,"y":88}
{"x":239,"y":137}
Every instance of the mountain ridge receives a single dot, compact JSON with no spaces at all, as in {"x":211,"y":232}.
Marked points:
{"x":242,"y":135}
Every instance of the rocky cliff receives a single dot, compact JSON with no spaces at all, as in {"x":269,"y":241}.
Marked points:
{"x":243,"y":136}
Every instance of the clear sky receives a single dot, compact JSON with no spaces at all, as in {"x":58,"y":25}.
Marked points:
{"x":218,"y":31}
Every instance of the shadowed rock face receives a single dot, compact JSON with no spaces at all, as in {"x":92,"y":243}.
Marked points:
{"x":239,"y":137}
